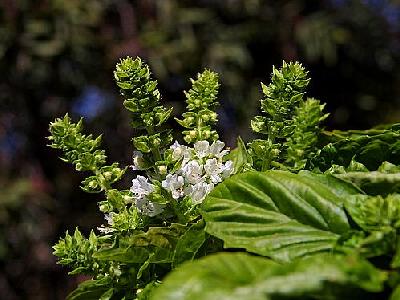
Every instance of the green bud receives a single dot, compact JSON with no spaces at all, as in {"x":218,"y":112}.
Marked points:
{"x":201,"y":99}
{"x":108,"y":175}
{"x":162,"y":170}
{"x":78,"y":166}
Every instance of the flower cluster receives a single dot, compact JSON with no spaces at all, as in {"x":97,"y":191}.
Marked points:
{"x":194,"y":174}
{"x":141,"y":188}
{"x":201,"y":167}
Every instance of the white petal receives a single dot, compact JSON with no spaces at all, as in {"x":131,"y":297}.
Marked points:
{"x":212,"y":166}
{"x":216,"y":147}
{"x":202,"y":148}
{"x":227,"y":169}
{"x":192,"y":171}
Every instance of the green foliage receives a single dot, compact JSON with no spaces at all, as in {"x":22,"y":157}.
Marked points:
{"x":201,"y":103}
{"x":242,"y":160}
{"x":241,"y":276}
{"x":93,"y":290}
{"x":277,"y":214}
{"x":331,"y":235}
{"x":77,"y":252}
{"x":384,"y":181}
{"x":375,"y":212}
{"x":142,"y":99}
{"x":370,"y":147}
{"x":290,"y":124}
{"x":82,"y":151}
{"x":301,"y":144}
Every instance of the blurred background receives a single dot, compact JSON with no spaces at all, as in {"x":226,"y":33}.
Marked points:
{"x":57,"y":56}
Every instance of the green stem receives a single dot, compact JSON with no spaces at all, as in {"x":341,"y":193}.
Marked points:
{"x":155,"y":151}
{"x":199,"y":123}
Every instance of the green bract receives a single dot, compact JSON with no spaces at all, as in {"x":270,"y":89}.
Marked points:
{"x":289,"y":123}
{"x":310,"y":214}
{"x":201,"y":100}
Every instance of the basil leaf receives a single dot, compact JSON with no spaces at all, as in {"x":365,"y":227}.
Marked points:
{"x":189,"y":243}
{"x":92,"y":290}
{"x":157,"y":245}
{"x":242,"y":276}
{"x":277,"y":213}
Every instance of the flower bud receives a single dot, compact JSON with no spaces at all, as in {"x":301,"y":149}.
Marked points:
{"x":107,"y":175}
{"x":162,"y":170}
{"x":78,"y":166}
{"x":93,"y":184}
{"x":192,"y":134}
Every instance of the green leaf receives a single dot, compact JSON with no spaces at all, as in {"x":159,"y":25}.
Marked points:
{"x":92,"y":290}
{"x":240,"y":276}
{"x":189,"y":243}
{"x":396,"y":258}
{"x":277,"y":213}
{"x":239,"y":157}
{"x":369,"y":147}
{"x":157,"y":245}
{"x":373,"y":183}
{"x":145,"y":293}
{"x":375,"y":213}
{"x":107,"y":295}
{"x":396,"y":294}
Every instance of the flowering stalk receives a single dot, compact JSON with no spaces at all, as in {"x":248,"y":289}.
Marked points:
{"x":142,"y":99}
{"x":201,"y":102}
{"x":301,"y":144}
{"x":290,"y":124}
{"x":173,"y":180}
{"x":82,"y":151}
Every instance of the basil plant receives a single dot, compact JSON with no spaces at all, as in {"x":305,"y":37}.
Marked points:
{"x":297,"y":213}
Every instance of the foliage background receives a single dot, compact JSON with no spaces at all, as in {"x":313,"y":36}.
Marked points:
{"x":57,"y":56}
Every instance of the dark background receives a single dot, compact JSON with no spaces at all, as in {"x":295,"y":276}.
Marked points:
{"x":57,"y":56}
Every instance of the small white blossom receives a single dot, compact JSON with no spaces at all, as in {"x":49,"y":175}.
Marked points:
{"x":107,"y":229}
{"x":192,"y":171}
{"x":227,"y":169}
{"x":199,"y":191}
{"x":216,"y":149}
{"x":213,"y":169}
{"x":200,"y":169}
{"x":202,"y":148}
{"x":180,"y":152}
{"x":141,"y":187}
{"x":174,"y":183}
{"x":104,"y":229}
{"x":109,"y":219}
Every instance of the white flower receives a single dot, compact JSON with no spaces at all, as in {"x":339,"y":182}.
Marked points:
{"x":109,"y":219}
{"x":227,"y":169}
{"x":213,"y":169}
{"x":174,"y":183}
{"x":200,"y":169}
{"x":199,"y":191}
{"x":192,"y":171}
{"x":202,"y":148}
{"x":106,"y":229}
{"x":216,"y":149}
{"x":179,"y":152}
{"x":141,"y":187}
